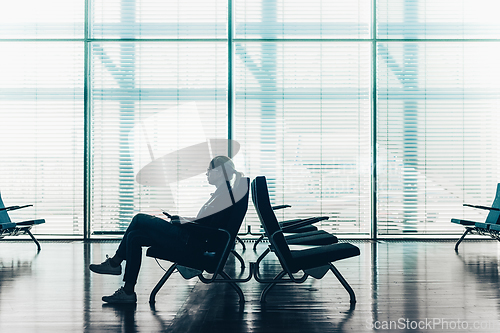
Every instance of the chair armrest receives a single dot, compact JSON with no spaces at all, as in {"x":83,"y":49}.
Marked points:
{"x":280,"y":207}
{"x":309,"y":220}
{"x":481,"y":207}
{"x":302,"y":223}
{"x":15,"y":207}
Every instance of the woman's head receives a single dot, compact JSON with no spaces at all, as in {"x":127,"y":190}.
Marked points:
{"x":221,"y":169}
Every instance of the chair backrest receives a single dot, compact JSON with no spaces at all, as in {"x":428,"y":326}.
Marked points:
{"x":233,"y":223}
{"x":4,"y":216}
{"x":494,"y":215}
{"x":262,"y":203}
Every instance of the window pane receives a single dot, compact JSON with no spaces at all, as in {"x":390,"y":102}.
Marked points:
{"x":42,"y":19}
{"x":41,"y":100}
{"x":458,"y":19}
{"x":150,"y":100}
{"x":302,"y":116}
{"x":302,"y":19}
{"x":437,"y":134}
{"x":158,"y":19}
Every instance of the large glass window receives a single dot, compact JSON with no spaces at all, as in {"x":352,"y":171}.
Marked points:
{"x":318,"y":95}
{"x":41,"y":112}
{"x":302,"y":115}
{"x":303,"y":105}
{"x":437,"y":113}
{"x":149,"y":101}
{"x":152,"y":99}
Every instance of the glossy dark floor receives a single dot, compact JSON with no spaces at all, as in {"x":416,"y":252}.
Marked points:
{"x":404,"y":285}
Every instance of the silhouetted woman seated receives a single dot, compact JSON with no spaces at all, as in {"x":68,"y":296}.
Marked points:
{"x":148,"y":230}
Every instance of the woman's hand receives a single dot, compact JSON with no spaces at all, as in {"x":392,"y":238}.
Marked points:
{"x":176,"y":219}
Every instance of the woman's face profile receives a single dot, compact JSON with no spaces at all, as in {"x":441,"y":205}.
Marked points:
{"x":214,"y":175}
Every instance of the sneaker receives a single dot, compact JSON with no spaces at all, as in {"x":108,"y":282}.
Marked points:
{"x":120,"y":297}
{"x":106,"y":268}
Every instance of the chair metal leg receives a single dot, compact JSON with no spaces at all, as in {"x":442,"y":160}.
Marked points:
{"x":344,"y":283}
{"x":467,"y":230}
{"x":240,"y":259}
{"x":257,"y":242}
{"x":160,"y":283}
{"x":241,"y":242}
{"x":234,"y":286}
{"x":35,"y":240}
{"x":262,"y":256}
{"x":269,"y":286}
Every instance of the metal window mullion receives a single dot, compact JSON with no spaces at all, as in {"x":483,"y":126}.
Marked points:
{"x":230,"y":87}
{"x":374,"y":229}
{"x":87,"y":177}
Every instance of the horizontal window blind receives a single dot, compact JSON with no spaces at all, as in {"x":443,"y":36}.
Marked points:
{"x":41,"y":130}
{"x":455,"y":19}
{"x":158,"y":19}
{"x":150,"y":100}
{"x":302,"y":108}
{"x":42,"y":19}
{"x":302,"y":19}
{"x":437,"y":134}
{"x":302,"y":115}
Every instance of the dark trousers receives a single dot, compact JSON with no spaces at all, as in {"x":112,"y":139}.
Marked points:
{"x":147,"y":230}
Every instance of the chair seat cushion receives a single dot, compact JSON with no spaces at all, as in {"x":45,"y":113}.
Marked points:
{"x":301,"y":229}
{"x":319,"y":237}
{"x":495,"y":227}
{"x":482,"y":226}
{"x":31,"y":222}
{"x":463,"y":222}
{"x":321,"y":255}
{"x":7,"y":225}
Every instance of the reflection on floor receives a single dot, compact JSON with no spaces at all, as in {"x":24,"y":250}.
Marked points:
{"x":419,"y":286}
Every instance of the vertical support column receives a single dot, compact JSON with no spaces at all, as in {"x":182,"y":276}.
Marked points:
{"x":87,"y":162}
{"x":374,"y":222}
{"x":230,"y":108}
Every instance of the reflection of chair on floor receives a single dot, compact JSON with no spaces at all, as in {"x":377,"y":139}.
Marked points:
{"x":218,"y":245}
{"x":491,"y":227}
{"x":315,"y":261}
{"x":9,"y":228}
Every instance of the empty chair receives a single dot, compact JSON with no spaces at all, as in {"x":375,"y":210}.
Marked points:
{"x":301,"y":228}
{"x":490,"y":227}
{"x":314,"y":237}
{"x":9,"y":228}
{"x":312,"y":261}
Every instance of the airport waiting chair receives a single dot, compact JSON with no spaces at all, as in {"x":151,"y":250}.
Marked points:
{"x":490,"y":227}
{"x":313,"y":261}
{"x":295,"y":228}
{"x":9,"y":228}
{"x":315,"y":237}
{"x":218,"y":244}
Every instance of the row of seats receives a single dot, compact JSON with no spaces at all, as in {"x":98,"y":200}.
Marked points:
{"x":490,"y":227}
{"x":314,"y":260}
{"x":9,"y":228}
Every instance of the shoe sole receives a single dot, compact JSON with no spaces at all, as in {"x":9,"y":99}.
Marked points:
{"x":110,"y":300}
{"x":119,"y":302}
{"x":105,"y":272}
